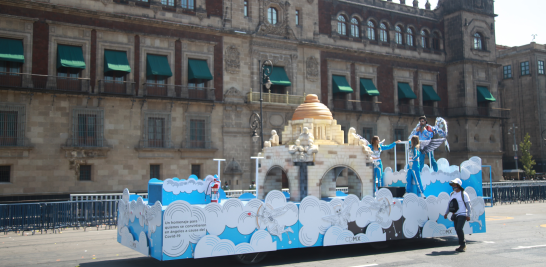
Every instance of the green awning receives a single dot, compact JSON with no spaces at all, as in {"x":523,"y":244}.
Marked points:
{"x":340,"y":85}
{"x":485,"y":95}
{"x":278,"y":76}
{"x":198,"y":69}
{"x":116,"y":61}
{"x":158,"y":65}
{"x":70,"y":57}
{"x":12,"y":50}
{"x":405,"y":92}
{"x":429,"y":94}
{"x":368,"y":88}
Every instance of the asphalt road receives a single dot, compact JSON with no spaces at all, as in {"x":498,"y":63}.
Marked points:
{"x":515,"y":237}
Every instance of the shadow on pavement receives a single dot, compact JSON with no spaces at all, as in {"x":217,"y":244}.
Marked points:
{"x":286,"y":257}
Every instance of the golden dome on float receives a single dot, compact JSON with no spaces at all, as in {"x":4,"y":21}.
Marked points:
{"x":312,"y":109}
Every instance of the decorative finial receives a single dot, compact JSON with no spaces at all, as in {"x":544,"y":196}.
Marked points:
{"x":415,"y":3}
{"x":534,"y":36}
{"x":402,"y":2}
{"x":427,"y":5}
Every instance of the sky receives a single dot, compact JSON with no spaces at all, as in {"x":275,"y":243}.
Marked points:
{"x":516,"y":21}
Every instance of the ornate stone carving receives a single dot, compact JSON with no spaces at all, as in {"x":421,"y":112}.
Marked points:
{"x":304,"y":147}
{"x":282,"y":28}
{"x":233,"y":91}
{"x":312,"y":69}
{"x":232,"y":60}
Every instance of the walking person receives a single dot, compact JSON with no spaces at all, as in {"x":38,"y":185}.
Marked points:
{"x":461,"y":210}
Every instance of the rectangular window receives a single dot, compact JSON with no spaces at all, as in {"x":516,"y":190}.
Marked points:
{"x":297,"y":17}
{"x":507,"y":72}
{"x":10,"y":74}
{"x":85,"y":172}
{"x":196,"y":170}
{"x":197,"y":133}
{"x":167,"y":2}
{"x":8,"y":128}
{"x":525,"y":68}
{"x":154,"y":171}
{"x":156,"y":132}
{"x":187,"y":4}
{"x":87,"y":129}
{"x":246,"y":8}
{"x":540,"y":67}
{"x":5,"y":174}
{"x":367,"y":133}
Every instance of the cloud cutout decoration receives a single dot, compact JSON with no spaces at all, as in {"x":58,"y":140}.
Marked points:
{"x":212,"y":246}
{"x":471,"y":166}
{"x":311,"y":212}
{"x":415,"y":213}
{"x":437,"y":205}
{"x":140,"y":245}
{"x":382,"y":210}
{"x":337,"y":236}
{"x":390,"y":177}
{"x":429,"y":177}
{"x":434,"y":229}
{"x":477,"y":205}
{"x":177,"y":235}
{"x":187,"y":186}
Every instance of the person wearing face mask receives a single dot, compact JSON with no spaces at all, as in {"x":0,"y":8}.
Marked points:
{"x":462,"y":215}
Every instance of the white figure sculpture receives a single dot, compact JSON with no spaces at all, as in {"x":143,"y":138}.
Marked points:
{"x":298,"y":151}
{"x":353,"y":139}
{"x":274,"y":140}
{"x":303,"y":146}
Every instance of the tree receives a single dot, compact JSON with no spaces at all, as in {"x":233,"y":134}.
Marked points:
{"x":526,"y":157}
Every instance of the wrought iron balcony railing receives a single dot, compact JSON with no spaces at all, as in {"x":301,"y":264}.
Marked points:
{"x":355,"y":105}
{"x":178,"y":91}
{"x":407,"y":109}
{"x":275,"y":98}
{"x":484,"y":112}
{"x":116,"y":87}
{"x":46,"y":82}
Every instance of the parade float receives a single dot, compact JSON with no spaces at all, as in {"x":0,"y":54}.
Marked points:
{"x":186,"y":218}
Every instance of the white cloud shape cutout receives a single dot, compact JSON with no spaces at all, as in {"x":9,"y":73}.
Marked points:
{"x":471,"y":166}
{"x":212,"y":246}
{"x":127,"y":240}
{"x":437,"y":206}
{"x":312,"y":210}
{"x":382,"y":210}
{"x":187,"y":186}
{"x":477,"y":205}
{"x":434,"y":229}
{"x":179,"y":214}
{"x":415,"y":213}
{"x":429,"y":177}
{"x":336,"y":236}
{"x":390,"y":177}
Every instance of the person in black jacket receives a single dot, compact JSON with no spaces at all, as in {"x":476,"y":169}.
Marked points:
{"x":462,"y":215}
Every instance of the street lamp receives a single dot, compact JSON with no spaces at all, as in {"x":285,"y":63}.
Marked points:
{"x":256,"y":119}
{"x":512,"y":131}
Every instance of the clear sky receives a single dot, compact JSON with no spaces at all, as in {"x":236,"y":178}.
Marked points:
{"x":516,"y":21}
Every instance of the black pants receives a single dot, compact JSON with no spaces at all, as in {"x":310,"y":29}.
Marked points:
{"x":459,"y":224}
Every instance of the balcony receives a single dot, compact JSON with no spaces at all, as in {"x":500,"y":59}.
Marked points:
{"x":407,"y":109}
{"x":116,"y":87}
{"x":481,"y":112}
{"x":434,"y":112}
{"x":43,"y":82}
{"x":356,"y":106}
{"x":275,"y":98}
{"x":177,"y":91}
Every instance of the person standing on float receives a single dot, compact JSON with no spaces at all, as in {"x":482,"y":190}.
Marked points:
{"x":414,"y":171}
{"x":426,"y":132}
{"x":376,"y":148}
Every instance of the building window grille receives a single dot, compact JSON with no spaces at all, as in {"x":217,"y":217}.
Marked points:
{"x":12,"y":125}
{"x":154,"y":171}
{"x":525,"y":68}
{"x":398,"y":36}
{"x":85,"y":172}
{"x":5,"y":174}
{"x":272,"y":15}
{"x":197,"y":133}
{"x":245,"y":10}
{"x":88,"y":127}
{"x":383,"y":33}
{"x":367,"y":133}
{"x":409,"y":37}
{"x":196,"y":170}
{"x":371,"y":30}
{"x":540,"y":67}
{"x":156,"y":132}
{"x":507,"y":72}
{"x":341,"y":25}
{"x":355,"y":24}
{"x":187,"y":4}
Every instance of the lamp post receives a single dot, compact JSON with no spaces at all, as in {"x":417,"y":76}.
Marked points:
{"x":256,"y":119}
{"x":512,"y":131}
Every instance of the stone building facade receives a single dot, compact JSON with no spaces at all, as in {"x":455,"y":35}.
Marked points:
{"x":186,"y":79}
{"x":523,"y":90}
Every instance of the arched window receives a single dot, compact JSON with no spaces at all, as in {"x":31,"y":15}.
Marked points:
{"x":398,"y":36}
{"x":478,"y":41}
{"x":409,"y":37}
{"x":272,"y":15}
{"x":424,"y":39}
{"x":383,"y":33}
{"x":341,"y":25}
{"x":435,"y":41}
{"x":371,"y":30}
{"x":355,"y":32}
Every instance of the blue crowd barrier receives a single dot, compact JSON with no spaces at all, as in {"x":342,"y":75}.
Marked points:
{"x":57,"y":215}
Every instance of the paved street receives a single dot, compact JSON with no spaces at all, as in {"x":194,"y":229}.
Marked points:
{"x":515,"y":237}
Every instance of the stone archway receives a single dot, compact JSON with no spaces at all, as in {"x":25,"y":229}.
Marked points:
{"x":340,"y":174}
{"x":275,"y":179}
